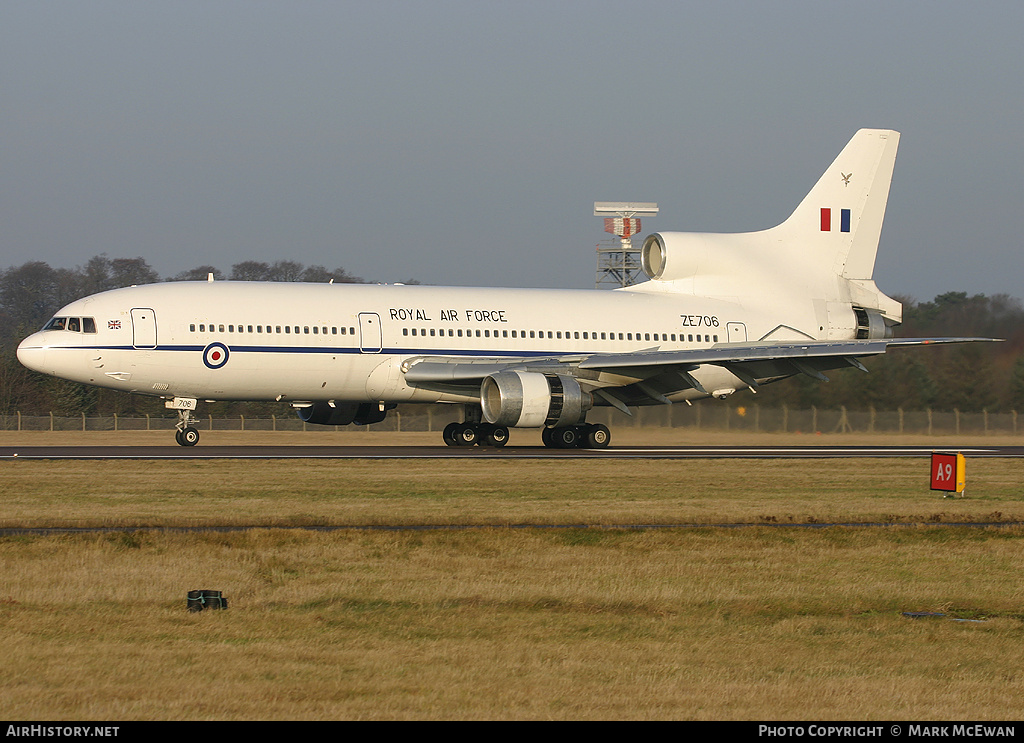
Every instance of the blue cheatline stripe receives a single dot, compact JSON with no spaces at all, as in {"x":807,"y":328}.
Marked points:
{"x":353,"y":351}
{"x":844,"y":220}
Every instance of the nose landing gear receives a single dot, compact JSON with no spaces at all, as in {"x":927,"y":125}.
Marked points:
{"x":186,"y":434}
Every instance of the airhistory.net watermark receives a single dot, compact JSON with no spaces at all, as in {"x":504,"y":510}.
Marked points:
{"x":61,"y":731}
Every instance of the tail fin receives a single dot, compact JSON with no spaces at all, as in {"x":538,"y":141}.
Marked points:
{"x":840,"y":220}
{"x":825,"y":251}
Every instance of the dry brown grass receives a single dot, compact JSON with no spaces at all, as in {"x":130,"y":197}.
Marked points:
{"x":716,"y":624}
{"x":442,"y":492}
{"x":493,"y":623}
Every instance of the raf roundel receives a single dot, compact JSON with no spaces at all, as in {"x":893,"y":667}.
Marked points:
{"x":215,"y":355}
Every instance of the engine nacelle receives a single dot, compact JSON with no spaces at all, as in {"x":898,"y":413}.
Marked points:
{"x":673,"y":255}
{"x":325,"y":414}
{"x":722,"y":260}
{"x":532,"y":400}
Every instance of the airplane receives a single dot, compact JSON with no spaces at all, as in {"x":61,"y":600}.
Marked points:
{"x":718,"y":313}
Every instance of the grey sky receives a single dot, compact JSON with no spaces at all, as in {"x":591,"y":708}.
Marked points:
{"x":465,"y":142}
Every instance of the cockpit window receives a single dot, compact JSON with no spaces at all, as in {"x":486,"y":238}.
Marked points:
{"x":73,"y":324}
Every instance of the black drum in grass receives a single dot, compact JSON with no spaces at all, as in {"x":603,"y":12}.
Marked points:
{"x":205,"y":599}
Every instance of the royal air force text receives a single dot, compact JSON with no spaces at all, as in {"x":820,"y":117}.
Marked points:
{"x":400,"y":313}
{"x":449,"y":315}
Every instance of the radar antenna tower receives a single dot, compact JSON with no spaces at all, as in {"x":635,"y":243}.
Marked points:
{"x":618,"y":263}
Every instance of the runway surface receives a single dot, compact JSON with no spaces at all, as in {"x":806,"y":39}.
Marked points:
{"x":476,"y":452}
{"x":44,"y":531}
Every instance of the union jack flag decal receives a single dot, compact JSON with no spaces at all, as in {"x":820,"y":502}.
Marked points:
{"x":113,"y":324}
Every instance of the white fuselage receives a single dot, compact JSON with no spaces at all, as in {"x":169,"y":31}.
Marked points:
{"x":347,"y":342}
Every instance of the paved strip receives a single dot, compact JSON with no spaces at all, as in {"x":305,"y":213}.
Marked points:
{"x":16,"y":531}
{"x":443,"y":452}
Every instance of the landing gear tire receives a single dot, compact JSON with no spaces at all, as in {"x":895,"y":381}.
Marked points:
{"x":450,"y":434}
{"x":598,"y":436}
{"x":466,"y":434}
{"x":566,"y":437}
{"x":497,"y":436}
{"x":188,"y":436}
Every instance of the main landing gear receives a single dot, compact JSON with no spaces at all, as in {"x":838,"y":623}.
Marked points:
{"x":186,"y":433}
{"x":583,"y":436}
{"x":468,"y":434}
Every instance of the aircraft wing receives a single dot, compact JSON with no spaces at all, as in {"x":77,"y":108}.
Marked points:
{"x":740,"y":353}
{"x":749,"y":362}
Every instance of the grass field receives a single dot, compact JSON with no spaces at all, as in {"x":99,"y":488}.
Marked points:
{"x":763,"y":622}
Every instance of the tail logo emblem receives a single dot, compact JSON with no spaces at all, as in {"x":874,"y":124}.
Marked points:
{"x":846,"y":177}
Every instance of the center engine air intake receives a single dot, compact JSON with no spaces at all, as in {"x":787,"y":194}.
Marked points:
{"x":532,"y":400}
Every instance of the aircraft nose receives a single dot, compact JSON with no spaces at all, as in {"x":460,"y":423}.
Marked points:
{"x":32,"y":354}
